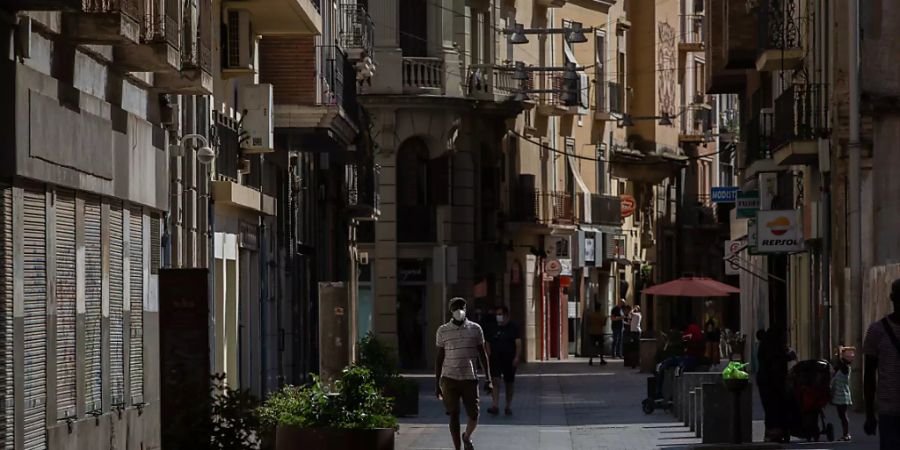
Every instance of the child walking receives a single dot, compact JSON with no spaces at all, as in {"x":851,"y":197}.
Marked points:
{"x":840,"y":387}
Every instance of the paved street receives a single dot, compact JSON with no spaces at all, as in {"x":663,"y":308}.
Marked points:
{"x":570,"y":405}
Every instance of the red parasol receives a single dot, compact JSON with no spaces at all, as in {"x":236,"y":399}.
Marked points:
{"x":692,"y":287}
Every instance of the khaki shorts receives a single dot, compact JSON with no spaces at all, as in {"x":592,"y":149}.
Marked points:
{"x":456,"y":390}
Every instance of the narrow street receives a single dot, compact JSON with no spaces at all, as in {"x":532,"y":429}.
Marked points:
{"x":570,"y":405}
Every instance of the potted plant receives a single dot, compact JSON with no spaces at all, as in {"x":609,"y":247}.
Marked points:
{"x":351,"y":414}
{"x":378,"y":357}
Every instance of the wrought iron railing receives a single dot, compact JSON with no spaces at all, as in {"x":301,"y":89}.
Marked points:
{"x":162,"y":22}
{"x":759,"y":133}
{"x":609,"y":97}
{"x":226,"y":141}
{"x":357,"y":30}
{"x":362,"y":179}
{"x":779,"y":24}
{"x":606,"y":210}
{"x":196,"y":50}
{"x":692,"y":29}
{"x":487,"y":80}
{"x":334,"y":71}
{"x":526,"y":205}
{"x":696,"y":120}
{"x":423,"y":74}
{"x":131,"y":8}
{"x":801,"y":113}
{"x":562,"y":209}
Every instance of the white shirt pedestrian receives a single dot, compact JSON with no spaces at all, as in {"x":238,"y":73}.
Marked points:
{"x":636,"y":321}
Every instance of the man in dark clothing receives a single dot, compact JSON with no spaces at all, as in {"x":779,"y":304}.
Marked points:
{"x":504,"y":345}
{"x":618,"y":328}
{"x":881,"y":375}
{"x":771,"y":378}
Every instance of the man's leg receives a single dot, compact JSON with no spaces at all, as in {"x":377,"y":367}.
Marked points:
{"x":617,"y":340}
{"x":454,"y":430}
{"x":495,"y":394}
{"x":450,"y":391}
{"x":470,"y":402}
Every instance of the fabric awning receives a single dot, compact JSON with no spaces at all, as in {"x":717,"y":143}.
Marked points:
{"x":580,"y":182}
{"x":692,"y":287}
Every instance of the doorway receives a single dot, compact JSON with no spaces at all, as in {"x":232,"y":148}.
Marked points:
{"x":411,"y":310}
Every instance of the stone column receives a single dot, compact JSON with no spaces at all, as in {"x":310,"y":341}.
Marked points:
{"x":384,"y":320}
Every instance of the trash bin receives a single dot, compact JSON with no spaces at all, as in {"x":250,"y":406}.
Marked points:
{"x":632,"y":353}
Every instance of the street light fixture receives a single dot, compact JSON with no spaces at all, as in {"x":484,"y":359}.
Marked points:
{"x":205,"y":155}
{"x":574,"y":33}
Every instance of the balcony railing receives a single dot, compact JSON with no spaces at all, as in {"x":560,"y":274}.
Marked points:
{"x":357,"y":30}
{"x":229,"y":150}
{"x":526,"y":205}
{"x":606,"y":210}
{"x":609,"y":97}
{"x":363,"y":199}
{"x":490,"y":81}
{"x":801,"y":114}
{"x":779,"y":25}
{"x":692,"y":38}
{"x":759,"y":133}
{"x":197,"y":49}
{"x":562,"y":209}
{"x":334,"y":71}
{"x":423,"y":75}
{"x":161,"y":23}
{"x":696,"y":121}
{"x":131,"y":8}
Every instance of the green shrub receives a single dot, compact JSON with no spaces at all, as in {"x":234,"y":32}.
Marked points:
{"x":354,"y":402}
{"x":379,"y":358}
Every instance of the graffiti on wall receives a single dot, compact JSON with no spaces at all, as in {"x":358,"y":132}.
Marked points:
{"x":666,"y":68}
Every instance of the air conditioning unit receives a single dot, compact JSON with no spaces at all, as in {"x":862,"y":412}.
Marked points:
{"x":244,"y":166}
{"x":256,"y":107}
{"x":239,"y":44}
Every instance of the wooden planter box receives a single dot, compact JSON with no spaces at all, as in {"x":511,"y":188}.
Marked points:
{"x":296,"y":438}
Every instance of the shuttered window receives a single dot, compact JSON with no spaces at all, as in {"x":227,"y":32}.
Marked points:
{"x":6,"y":319}
{"x":93,"y":293}
{"x":34,"y":289}
{"x":65,"y":303}
{"x":136,"y":296}
{"x":154,"y":244}
{"x":116,"y":303}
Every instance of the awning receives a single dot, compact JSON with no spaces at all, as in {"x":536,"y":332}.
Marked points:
{"x":692,"y":287}
{"x":587,"y":192}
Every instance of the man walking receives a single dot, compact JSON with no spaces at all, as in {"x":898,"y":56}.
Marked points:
{"x":618,"y":328}
{"x":504,"y":346}
{"x":460,"y":343}
{"x":881,"y":375}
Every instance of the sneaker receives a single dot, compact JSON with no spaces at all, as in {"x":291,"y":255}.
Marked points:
{"x":493,"y":410}
{"x":467,"y":442}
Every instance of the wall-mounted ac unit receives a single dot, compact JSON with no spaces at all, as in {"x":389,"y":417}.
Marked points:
{"x":244,"y":166}
{"x":256,"y":107}
{"x":239,"y":42}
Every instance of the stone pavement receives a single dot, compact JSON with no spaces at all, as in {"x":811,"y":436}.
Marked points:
{"x":572,"y":406}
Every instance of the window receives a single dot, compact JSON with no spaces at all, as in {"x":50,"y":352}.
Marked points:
{"x":600,"y":70}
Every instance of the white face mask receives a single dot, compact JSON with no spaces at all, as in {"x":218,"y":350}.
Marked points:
{"x":500,"y":318}
{"x":459,"y":315}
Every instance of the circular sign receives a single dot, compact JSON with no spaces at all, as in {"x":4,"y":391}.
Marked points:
{"x":627,"y":205}
{"x":553,"y":267}
{"x":733,"y":248}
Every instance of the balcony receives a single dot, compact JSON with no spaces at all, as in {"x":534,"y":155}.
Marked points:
{"x":802,"y":122}
{"x":490,"y":82}
{"x":526,"y":205}
{"x":555,"y":89}
{"x":779,"y":36}
{"x":610,"y":100}
{"x":423,"y":76}
{"x":758,"y":138}
{"x":692,"y":33}
{"x":696,"y":124}
{"x":562,"y":208}
{"x":283,"y":17}
{"x":195,"y":76}
{"x":606,"y":210}
{"x":363,"y":199}
{"x":357,"y":31}
{"x":43,"y":5}
{"x":144,"y":35}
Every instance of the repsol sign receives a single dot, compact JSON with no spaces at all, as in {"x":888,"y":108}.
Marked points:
{"x":782,"y":242}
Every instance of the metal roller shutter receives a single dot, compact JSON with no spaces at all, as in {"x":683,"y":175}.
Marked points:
{"x":6,"y":319}
{"x":116,"y":302}
{"x":65,"y":303}
{"x":93,"y":303}
{"x":34,"y":213}
{"x":136,"y":348}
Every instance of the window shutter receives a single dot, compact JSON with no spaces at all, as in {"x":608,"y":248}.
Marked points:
{"x":66,"y":299}
{"x":93,"y":301}
{"x":34,"y":279}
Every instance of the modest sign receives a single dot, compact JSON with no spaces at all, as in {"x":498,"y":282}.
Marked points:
{"x":747,"y":204}
{"x":628,"y":205}
{"x":724,"y":194}
{"x":553,"y":267}
{"x":779,"y":231}
{"x":731,"y":249}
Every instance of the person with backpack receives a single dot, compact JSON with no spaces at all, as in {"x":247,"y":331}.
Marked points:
{"x":881,"y":375}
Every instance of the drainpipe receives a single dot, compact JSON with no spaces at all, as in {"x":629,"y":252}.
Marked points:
{"x":263,"y":283}
{"x":853,"y":179}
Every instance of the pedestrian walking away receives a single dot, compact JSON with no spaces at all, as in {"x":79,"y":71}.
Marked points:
{"x":460,"y":342}
{"x":881,"y":375}
{"x":504,"y":346}
{"x":617,"y":316}
{"x":840,"y":388}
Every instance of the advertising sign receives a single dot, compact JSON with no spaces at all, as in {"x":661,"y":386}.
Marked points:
{"x":724,"y":194}
{"x":566,"y":267}
{"x":628,"y":205}
{"x":553,"y":268}
{"x":747,"y":204}
{"x":779,"y":231}
{"x":731,"y":249}
{"x":589,"y":251}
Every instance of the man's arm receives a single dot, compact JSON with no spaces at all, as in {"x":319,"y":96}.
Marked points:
{"x":482,"y":354}
{"x":438,"y":368}
{"x":518,"y":352}
{"x":870,"y":368}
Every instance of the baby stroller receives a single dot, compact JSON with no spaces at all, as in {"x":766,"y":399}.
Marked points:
{"x":809,"y":383}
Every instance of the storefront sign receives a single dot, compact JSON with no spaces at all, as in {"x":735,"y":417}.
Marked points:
{"x":724,"y":194}
{"x":553,"y":267}
{"x":411,"y":271}
{"x":628,"y":205}
{"x":731,"y":249}
{"x":747,"y":204}
{"x":779,"y":231}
